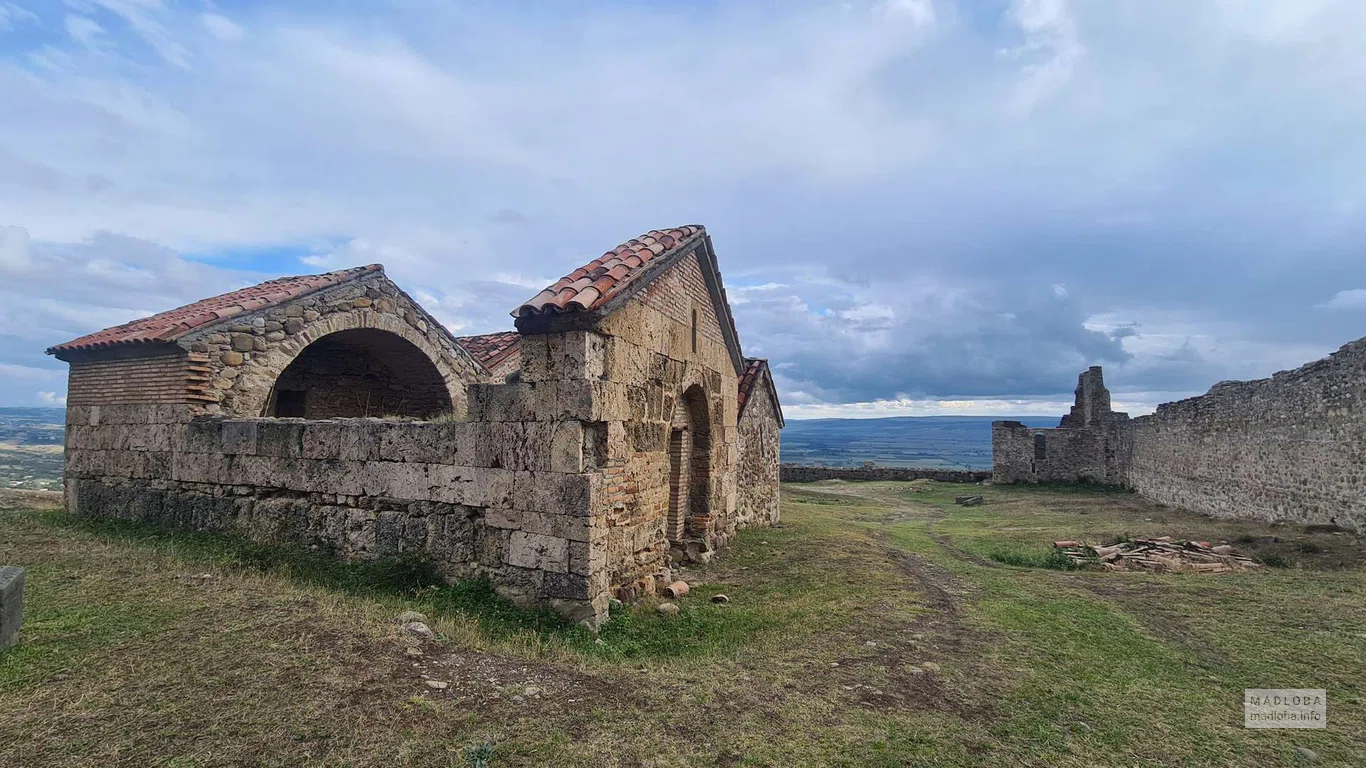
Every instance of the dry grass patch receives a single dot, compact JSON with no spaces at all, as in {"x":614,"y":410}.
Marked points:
{"x":872,"y":628}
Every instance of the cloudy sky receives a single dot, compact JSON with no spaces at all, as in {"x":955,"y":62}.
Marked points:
{"x":920,"y":206}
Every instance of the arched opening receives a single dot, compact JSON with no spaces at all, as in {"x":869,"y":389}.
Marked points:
{"x":358,"y":373}
{"x":689,"y":467}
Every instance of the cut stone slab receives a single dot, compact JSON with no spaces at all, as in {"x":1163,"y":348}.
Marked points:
{"x":968,"y":501}
{"x":11,"y":604}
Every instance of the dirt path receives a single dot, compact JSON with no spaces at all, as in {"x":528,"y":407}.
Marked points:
{"x":940,"y":636}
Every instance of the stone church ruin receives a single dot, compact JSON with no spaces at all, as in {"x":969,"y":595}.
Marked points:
{"x":616,"y":432}
{"x":1290,"y":448}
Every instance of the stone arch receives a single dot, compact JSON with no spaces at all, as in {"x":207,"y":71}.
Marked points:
{"x":690,"y":466}
{"x":358,"y":373}
{"x":255,"y":394}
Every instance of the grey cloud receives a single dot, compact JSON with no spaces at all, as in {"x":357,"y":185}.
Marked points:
{"x":1191,"y":174}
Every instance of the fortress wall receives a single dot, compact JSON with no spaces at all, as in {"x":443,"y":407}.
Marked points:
{"x":1291,"y":447}
{"x":507,"y":500}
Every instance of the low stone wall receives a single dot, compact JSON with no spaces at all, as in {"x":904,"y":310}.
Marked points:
{"x":505,"y":500}
{"x":792,"y":473}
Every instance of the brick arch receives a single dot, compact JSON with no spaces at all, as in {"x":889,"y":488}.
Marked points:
{"x":691,"y":459}
{"x":254,"y":394}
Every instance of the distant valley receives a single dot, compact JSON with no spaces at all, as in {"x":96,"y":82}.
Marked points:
{"x":949,"y":442}
{"x":31,"y":447}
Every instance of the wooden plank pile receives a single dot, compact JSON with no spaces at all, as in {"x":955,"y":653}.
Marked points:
{"x":1162,"y":554}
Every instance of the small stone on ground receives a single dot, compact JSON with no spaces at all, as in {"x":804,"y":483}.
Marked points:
{"x":666,"y":609}
{"x":418,"y":628}
{"x":408,"y":617}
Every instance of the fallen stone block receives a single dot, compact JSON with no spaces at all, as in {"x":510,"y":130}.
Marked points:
{"x":11,"y":604}
{"x":968,"y":501}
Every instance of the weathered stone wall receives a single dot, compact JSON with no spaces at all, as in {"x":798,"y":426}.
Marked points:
{"x":1288,"y":448}
{"x":507,"y":500}
{"x":759,"y":459}
{"x":792,"y":473}
{"x":1081,"y":449}
{"x":1031,"y":455}
{"x":247,"y":353}
{"x":1291,"y":447}
{"x":649,"y":362}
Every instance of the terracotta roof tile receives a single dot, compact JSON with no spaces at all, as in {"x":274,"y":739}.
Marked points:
{"x":491,"y":349}
{"x":753,"y":368}
{"x":597,"y":282}
{"x":171,"y":325}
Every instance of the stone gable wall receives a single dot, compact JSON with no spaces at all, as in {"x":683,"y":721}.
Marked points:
{"x":648,"y":358}
{"x":247,"y":353}
{"x":759,"y":460}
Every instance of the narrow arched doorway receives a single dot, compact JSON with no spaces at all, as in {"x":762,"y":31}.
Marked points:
{"x":689,"y":468}
{"x":359,"y":373}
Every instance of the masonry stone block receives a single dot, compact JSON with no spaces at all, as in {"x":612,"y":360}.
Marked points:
{"x":283,"y":438}
{"x":565,"y":447}
{"x":239,"y":436}
{"x":537,"y":551}
{"x":11,"y":604}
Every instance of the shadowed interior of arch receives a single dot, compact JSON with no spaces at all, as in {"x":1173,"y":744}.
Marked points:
{"x":689,"y":464}
{"x":359,"y":373}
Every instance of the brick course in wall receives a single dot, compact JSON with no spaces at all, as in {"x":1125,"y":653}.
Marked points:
{"x":171,"y":377}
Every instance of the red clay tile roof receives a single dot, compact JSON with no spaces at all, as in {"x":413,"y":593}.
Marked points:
{"x":755,"y":368}
{"x":595,"y":283}
{"x":171,"y":325}
{"x":491,"y":349}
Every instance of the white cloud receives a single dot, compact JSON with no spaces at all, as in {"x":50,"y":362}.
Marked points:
{"x":12,"y":15}
{"x":29,"y":373}
{"x":897,"y":199}
{"x":145,"y":19}
{"x":1350,"y":299}
{"x":83,"y":29}
{"x":1051,"y":50}
{"x":14,"y":255}
{"x":51,"y":398}
{"x":221,"y":27}
{"x":920,"y":12}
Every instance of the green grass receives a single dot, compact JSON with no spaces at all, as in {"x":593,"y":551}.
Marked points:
{"x":1022,"y":558}
{"x":411,"y":578}
{"x":874,"y":627}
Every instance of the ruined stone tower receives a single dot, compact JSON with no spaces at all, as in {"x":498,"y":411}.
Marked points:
{"x":1092,"y":404}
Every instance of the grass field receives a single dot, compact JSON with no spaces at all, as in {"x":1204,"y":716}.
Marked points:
{"x":876,"y":626}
